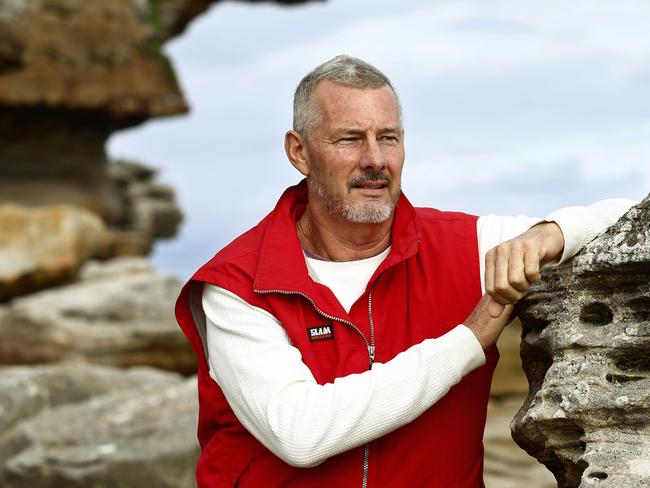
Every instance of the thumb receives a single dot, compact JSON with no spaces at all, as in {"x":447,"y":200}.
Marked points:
{"x":495,"y":309}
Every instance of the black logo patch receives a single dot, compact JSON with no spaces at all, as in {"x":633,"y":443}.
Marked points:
{"x":321,"y":333}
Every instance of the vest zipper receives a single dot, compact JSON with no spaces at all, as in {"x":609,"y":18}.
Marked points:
{"x":370,"y":345}
{"x":371,"y":353}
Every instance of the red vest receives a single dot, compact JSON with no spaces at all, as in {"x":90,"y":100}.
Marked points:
{"x":428,"y":284}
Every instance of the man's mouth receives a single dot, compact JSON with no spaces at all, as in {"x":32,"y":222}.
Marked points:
{"x":371,"y":185}
{"x":370,"y":182}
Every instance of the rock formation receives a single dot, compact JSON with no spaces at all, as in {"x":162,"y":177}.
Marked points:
{"x":44,"y":247}
{"x":149,"y":211}
{"x":78,"y":425}
{"x":586,"y":353}
{"x":72,"y":72}
{"x":117,"y":313}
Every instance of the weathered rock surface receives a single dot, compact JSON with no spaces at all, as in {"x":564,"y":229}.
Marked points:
{"x":118,"y":313}
{"x":71,"y":73}
{"x":78,"y":425}
{"x":136,"y":208}
{"x":46,"y":246}
{"x":149,"y":210}
{"x":586,"y":352}
{"x":99,"y":58}
{"x":28,"y":391}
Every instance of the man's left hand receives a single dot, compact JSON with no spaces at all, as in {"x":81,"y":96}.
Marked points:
{"x":514,"y":265}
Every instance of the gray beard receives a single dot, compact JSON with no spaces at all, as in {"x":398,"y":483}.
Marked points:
{"x":366,"y":213}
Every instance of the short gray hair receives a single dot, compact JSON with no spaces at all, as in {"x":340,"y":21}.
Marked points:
{"x":343,"y":70}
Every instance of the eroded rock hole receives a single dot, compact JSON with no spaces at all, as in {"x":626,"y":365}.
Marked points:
{"x":599,"y":475}
{"x":566,"y":473}
{"x":640,"y":308}
{"x":596,"y":313}
{"x":621,"y":379}
{"x":537,"y":363}
{"x":635,"y":360}
{"x":533,"y":324}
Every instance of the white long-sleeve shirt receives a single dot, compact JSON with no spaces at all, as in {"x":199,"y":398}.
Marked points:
{"x":274,"y":394}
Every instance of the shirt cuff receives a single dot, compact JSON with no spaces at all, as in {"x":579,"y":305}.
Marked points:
{"x":576,"y":228}
{"x":463,"y":348}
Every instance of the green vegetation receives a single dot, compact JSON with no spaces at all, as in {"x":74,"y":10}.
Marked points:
{"x":154,"y":44}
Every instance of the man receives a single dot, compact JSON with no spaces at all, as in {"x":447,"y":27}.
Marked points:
{"x":344,"y":340}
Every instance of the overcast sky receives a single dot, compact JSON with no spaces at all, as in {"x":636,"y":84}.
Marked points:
{"x":511,"y":106}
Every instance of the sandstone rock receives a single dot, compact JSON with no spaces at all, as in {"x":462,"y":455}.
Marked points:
{"x":117,"y":314}
{"x":28,"y":391}
{"x":106,"y":270}
{"x":142,"y":433}
{"x":135,"y":207}
{"x":149,"y":210}
{"x":101,"y":198}
{"x":586,"y":352}
{"x":71,"y":73}
{"x":87,"y":55}
{"x":42,"y":247}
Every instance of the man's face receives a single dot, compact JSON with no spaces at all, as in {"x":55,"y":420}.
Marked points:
{"x":356,"y":152}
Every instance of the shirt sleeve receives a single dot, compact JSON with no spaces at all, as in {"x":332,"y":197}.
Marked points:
{"x":276,"y":398}
{"x":579,"y":226}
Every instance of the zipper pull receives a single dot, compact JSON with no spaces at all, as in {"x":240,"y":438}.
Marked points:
{"x":371,"y":353}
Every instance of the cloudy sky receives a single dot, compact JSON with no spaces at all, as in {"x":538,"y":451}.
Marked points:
{"x":511,"y":106}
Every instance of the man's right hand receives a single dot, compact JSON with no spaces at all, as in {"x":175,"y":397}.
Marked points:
{"x":514,"y":265}
{"x":485,"y":327}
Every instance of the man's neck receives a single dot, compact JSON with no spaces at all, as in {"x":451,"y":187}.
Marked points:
{"x":338,"y":240}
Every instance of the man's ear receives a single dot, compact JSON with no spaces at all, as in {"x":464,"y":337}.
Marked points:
{"x":296,"y":148}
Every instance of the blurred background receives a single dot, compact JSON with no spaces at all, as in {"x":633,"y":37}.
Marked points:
{"x":137,"y":137}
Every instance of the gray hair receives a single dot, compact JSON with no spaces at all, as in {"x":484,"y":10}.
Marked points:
{"x":343,"y":70}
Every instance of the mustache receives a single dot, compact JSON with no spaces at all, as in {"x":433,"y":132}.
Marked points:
{"x":369,"y":176}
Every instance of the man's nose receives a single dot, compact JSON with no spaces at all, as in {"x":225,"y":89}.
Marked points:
{"x":373,"y":157}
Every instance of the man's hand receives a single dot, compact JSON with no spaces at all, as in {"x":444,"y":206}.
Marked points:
{"x":486,"y":328}
{"x":514,"y":265}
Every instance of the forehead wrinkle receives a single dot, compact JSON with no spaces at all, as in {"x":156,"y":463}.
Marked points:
{"x":336,"y":104}
{"x":357,"y":130}
{"x":351,"y":121}
{"x":356,"y":119}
